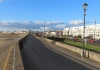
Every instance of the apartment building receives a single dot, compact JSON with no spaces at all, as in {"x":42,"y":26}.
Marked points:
{"x":90,"y":30}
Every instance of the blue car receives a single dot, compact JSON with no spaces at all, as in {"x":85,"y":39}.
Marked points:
{"x":98,"y":41}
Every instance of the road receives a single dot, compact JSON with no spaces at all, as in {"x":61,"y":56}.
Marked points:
{"x":37,"y":56}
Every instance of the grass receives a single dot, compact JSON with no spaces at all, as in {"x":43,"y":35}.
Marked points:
{"x":79,"y":45}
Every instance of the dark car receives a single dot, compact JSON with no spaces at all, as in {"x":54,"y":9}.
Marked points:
{"x":98,"y":41}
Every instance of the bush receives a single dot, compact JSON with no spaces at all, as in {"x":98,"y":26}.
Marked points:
{"x":79,"y":36}
{"x":56,"y":38}
{"x":69,"y":35}
{"x":89,"y":37}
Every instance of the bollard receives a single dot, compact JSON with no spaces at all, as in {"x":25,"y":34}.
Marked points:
{"x":82,"y":53}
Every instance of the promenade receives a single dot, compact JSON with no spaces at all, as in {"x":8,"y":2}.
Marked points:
{"x":10,"y":57}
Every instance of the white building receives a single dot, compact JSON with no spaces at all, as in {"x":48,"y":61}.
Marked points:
{"x":90,"y":30}
{"x":20,"y":32}
{"x":55,"y":33}
{"x":6,"y":31}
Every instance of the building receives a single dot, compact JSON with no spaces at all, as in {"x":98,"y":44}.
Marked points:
{"x":90,"y":30}
{"x":6,"y":32}
{"x":54,"y":33}
{"x":16,"y":32}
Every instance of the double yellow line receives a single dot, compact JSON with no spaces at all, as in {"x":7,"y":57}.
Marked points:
{"x":5,"y":66}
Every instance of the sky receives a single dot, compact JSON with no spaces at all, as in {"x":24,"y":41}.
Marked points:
{"x":53,"y":14}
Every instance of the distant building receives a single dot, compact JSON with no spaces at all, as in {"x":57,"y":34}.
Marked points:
{"x":89,"y":31}
{"x":1,"y":31}
{"x":53,"y":33}
{"x":16,"y":32}
{"x":6,"y":31}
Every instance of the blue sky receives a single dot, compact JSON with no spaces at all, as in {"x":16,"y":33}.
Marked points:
{"x":54,"y":14}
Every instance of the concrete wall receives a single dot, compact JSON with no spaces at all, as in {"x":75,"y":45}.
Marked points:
{"x":19,"y":63}
{"x":94,"y":56}
{"x":89,"y":54}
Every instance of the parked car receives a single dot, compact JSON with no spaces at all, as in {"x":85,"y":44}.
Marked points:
{"x":75,"y":38}
{"x":91,"y":40}
{"x":98,"y":41}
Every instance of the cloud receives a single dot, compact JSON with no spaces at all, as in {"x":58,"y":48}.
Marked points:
{"x":56,"y":22}
{"x":12,"y":21}
{"x":39,"y":22}
{"x":47,"y":22}
{"x":76,"y":22}
{"x":25,"y":22}
{"x":60,"y":25}
{"x":1,"y":0}
{"x":53,"y":22}
{"x":39,"y":25}
{"x":4,"y":23}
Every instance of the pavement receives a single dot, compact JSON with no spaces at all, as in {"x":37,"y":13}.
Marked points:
{"x":6,"y":41}
{"x":3,"y":55}
{"x":37,"y":54}
{"x":7,"y":52}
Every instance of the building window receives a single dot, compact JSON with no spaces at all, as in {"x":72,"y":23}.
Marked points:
{"x":98,"y":34}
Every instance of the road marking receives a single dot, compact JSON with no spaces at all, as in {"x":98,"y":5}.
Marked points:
{"x":5,"y":66}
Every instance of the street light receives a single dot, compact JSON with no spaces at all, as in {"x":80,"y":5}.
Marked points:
{"x":94,"y":30}
{"x":34,"y":31}
{"x":84,"y":7}
{"x":44,"y":31}
{"x":69,"y":31}
{"x":65,"y":31}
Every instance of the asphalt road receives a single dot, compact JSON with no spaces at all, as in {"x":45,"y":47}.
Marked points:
{"x":36,"y":56}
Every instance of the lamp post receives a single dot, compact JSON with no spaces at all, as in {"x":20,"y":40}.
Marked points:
{"x":44,"y":31}
{"x":34,"y":31}
{"x":94,"y":30}
{"x":84,"y":7}
{"x":65,"y":31}
{"x":69,"y":31}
